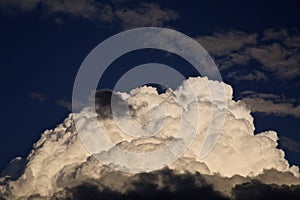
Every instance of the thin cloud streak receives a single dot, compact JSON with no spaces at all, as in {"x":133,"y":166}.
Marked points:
{"x":271,"y":104}
{"x":38,"y":96}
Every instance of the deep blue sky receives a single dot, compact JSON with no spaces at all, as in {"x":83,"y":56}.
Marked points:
{"x":41,"y":55}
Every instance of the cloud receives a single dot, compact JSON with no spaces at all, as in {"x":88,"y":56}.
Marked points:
{"x":83,"y":8}
{"x":222,"y":42}
{"x":115,"y":12}
{"x":272,"y":104}
{"x":14,"y":6}
{"x":87,"y":9}
{"x":258,"y":190}
{"x":38,"y":96}
{"x":147,"y":14}
{"x":159,"y":184}
{"x":61,"y":164}
{"x":282,"y":35}
{"x":274,"y":34}
{"x":276,"y":51}
{"x":290,"y":144}
{"x":254,"y":75}
{"x":64,"y":103}
{"x":283,"y":62}
{"x":14,"y":169}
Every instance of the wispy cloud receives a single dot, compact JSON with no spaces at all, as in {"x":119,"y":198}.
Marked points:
{"x":147,"y":14}
{"x":253,"y":75}
{"x":276,"y":52}
{"x":64,"y":103}
{"x":290,"y":144}
{"x":222,"y":42}
{"x":87,"y":9}
{"x":18,"y":6}
{"x":143,"y":14}
{"x":38,"y":96}
{"x":271,"y":104}
{"x":284,"y":62}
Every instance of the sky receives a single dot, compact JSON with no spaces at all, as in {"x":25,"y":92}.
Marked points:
{"x":255,"y":44}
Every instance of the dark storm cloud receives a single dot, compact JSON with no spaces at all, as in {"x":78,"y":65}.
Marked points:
{"x":38,"y":96}
{"x":290,"y":144}
{"x":162,"y":184}
{"x":257,"y":190}
{"x":166,"y":184}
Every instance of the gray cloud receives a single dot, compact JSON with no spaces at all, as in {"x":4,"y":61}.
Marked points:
{"x":147,"y":14}
{"x":38,"y":96}
{"x":169,"y":184}
{"x":276,"y":51}
{"x":258,"y":190}
{"x":87,"y":9}
{"x":272,"y":104}
{"x":221,"y":43}
{"x":14,"y":6}
{"x":274,"y":34}
{"x":254,"y":75}
{"x":290,"y":40}
{"x":164,"y":183}
{"x":144,"y":14}
{"x":283,"y":62}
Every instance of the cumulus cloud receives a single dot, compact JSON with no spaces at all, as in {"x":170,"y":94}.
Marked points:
{"x":271,"y":103}
{"x":61,"y":165}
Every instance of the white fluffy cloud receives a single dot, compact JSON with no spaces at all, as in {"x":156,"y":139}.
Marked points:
{"x":59,"y":159}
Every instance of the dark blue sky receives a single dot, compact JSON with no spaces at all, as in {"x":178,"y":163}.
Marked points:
{"x":41,"y":55}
